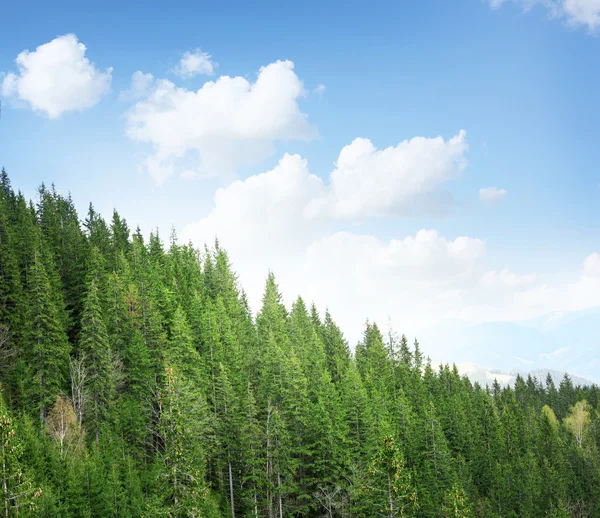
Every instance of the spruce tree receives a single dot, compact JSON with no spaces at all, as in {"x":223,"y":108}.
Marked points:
{"x":94,"y":348}
{"x":46,"y":345}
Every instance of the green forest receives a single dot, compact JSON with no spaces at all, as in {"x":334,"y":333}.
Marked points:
{"x":136,"y":381}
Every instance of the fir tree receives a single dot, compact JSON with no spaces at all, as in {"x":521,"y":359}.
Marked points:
{"x":95,"y":348}
{"x":47,"y":347}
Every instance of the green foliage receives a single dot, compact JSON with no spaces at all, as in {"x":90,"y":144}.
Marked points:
{"x":18,"y":494}
{"x":387,"y":488}
{"x":136,"y":383}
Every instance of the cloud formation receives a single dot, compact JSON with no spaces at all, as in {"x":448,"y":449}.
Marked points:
{"x":264,"y":213}
{"x":194,"y":63}
{"x":506,"y":279}
{"x":223,"y":125}
{"x":291,"y":204}
{"x":591,"y":265}
{"x":397,"y":180}
{"x":577,"y":13}
{"x":57,"y":78}
{"x":141,"y":86}
{"x":491,"y":194}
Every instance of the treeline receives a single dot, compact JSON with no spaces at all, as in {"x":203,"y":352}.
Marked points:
{"x":137,"y":382}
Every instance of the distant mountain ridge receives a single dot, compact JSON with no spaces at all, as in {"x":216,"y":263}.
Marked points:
{"x":486,"y":375}
{"x":557,"y":342}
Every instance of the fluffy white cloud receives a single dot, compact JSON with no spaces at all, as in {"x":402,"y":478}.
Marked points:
{"x":585,"y":292}
{"x":591,"y":265}
{"x":224,"y":124}
{"x":576,"y":12}
{"x":582,"y":12}
{"x":195,"y":63}
{"x":57,"y":78}
{"x":289,"y":202}
{"x":491,"y":194}
{"x":424,"y":260}
{"x":425,"y":257}
{"x":264,"y":213}
{"x":397,"y":180}
{"x":141,"y":86}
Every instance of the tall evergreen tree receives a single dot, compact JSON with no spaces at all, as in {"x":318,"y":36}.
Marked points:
{"x":94,"y":348}
{"x":46,"y":344}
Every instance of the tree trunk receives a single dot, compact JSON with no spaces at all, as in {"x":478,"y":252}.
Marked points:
{"x":231,"y":488}
{"x":390,"y":496}
{"x":279,"y":495}
{"x":96,"y":412}
{"x":269,"y":466}
{"x":4,"y":484}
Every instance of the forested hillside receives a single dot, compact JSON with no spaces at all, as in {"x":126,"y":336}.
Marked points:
{"x":136,"y":381}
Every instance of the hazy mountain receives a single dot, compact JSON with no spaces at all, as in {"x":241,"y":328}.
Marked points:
{"x":486,"y":375}
{"x":556,"y":342}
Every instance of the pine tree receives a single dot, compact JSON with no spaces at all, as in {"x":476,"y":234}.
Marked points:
{"x":387,"y":488}
{"x":95,"y":348}
{"x":456,"y":503}
{"x":180,"y":461}
{"x":47,"y":347}
{"x":11,"y":294}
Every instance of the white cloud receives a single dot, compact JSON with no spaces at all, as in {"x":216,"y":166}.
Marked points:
{"x":591,"y":265}
{"x":57,"y":78}
{"x":425,"y":257}
{"x":581,"y":293}
{"x":195,"y":63}
{"x":141,"y":86}
{"x":263,"y":213}
{"x":577,"y":13}
{"x":320,"y":89}
{"x":289,"y":199}
{"x":582,"y":12}
{"x":506,"y":279}
{"x":397,"y":180}
{"x":585,"y":292}
{"x":491,"y":194}
{"x":223,"y":125}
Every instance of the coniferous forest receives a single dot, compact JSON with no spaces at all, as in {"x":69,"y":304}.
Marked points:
{"x":136,"y":382}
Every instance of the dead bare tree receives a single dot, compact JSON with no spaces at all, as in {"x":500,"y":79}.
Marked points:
{"x":330,"y":499}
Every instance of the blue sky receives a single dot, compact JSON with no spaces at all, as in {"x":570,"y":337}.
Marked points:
{"x":522,"y":83}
